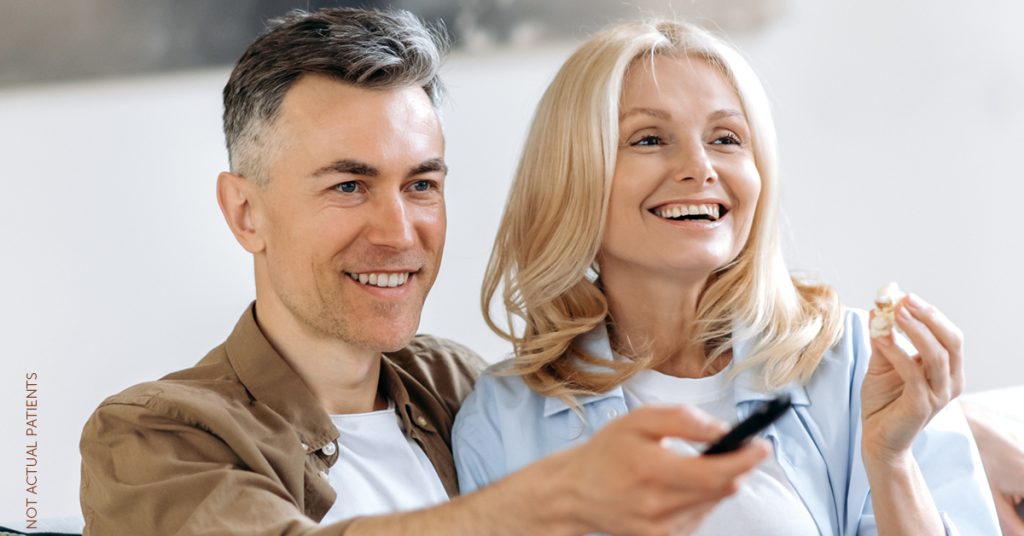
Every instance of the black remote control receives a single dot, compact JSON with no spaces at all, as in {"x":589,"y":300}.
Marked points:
{"x":764,"y":415}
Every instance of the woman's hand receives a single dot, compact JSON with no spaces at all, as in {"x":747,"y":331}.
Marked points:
{"x":903,"y":391}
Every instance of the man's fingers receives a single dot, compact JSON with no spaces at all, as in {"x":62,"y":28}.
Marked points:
{"x":740,"y":461}
{"x":1009,"y":521}
{"x":656,"y":422}
{"x":718,"y":474}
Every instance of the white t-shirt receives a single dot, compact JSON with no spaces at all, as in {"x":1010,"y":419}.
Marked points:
{"x":379,"y":470}
{"x":766,"y":504}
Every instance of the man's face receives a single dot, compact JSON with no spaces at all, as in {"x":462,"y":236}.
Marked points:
{"x":353,"y":215}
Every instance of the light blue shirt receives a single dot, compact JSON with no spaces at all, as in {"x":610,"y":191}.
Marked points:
{"x":504,"y":426}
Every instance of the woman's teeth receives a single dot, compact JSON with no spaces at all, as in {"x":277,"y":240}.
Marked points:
{"x":381,"y":280}
{"x":706,"y":211}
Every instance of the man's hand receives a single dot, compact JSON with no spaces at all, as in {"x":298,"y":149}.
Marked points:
{"x":620,"y":482}
{"x":1001,"y":444}
{"x":623,"y":481}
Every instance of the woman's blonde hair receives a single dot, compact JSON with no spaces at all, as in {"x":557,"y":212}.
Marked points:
{"x":544,"y":254}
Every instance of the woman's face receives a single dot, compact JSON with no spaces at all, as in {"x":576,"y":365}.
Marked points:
{"x":685,"y":185}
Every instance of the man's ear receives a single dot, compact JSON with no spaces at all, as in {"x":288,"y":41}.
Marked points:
{"x":239,"y":202}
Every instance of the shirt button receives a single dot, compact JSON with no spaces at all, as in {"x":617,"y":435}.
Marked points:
{"x":613,"y":413}
{"x":329,"y":449}
{"x":421,"y":421}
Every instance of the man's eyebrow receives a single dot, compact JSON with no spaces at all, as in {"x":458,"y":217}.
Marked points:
{"x":429,"y":166}
{"x":653,"y":112}
{"x":348,"y":167}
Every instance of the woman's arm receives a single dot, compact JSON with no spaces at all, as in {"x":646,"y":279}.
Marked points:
{"x":900,"y":395}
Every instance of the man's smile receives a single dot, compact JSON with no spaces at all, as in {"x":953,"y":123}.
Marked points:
{"x":382,"y":279}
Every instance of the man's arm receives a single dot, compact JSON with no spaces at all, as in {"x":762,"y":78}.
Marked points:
{"x":144,"y":472}
{"x":1000,"y":437}
{"x":622,"y":481}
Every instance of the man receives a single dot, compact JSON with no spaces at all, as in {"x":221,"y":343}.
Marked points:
{"x":322,"y":413}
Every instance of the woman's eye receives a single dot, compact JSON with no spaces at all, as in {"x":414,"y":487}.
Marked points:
{"x":349,"y":187}
{"x":727,"y":139}
{"x":647,"y":141}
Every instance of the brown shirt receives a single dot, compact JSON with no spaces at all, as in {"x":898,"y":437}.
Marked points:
{"x":234,"y":445}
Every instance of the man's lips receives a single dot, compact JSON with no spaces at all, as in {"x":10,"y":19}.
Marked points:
{"x":382,"y":278}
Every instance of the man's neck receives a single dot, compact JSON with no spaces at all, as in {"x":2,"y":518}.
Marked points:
{"x":344,"y":378}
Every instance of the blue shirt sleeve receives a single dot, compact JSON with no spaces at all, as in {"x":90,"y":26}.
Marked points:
{"x":476,"y":441}
{"x":947,"y":455}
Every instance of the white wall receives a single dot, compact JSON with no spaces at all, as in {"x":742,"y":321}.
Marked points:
{"x":900,"y":127}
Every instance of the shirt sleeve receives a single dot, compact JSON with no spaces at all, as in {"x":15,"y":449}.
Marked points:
{"x":476,"y":442}
{"x":947,"y":455}
{"x":949,"y":460}
{"x":147,"y":472}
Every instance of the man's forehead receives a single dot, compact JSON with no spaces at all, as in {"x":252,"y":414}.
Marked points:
{"x":326,"y":128}
{"x":314,"y":94}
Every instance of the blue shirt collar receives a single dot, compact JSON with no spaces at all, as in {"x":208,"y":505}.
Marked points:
{"x":747,"y":384}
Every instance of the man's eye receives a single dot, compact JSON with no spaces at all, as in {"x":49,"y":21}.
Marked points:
{"x":349,"y":187}
{"x":422,"y":186}
{"x":647,"y":141}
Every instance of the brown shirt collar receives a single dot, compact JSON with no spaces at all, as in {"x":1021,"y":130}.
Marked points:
{"x":272,"y":381}
{"x":234,"y":459}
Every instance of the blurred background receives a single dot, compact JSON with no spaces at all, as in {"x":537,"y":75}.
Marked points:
{"x":901,"y":127}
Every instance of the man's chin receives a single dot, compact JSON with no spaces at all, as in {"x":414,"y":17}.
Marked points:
{"x":391,"y":343}
{"x":390,"y":335}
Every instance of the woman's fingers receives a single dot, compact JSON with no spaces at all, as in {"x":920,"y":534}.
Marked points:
{"x":932,"y":355}
{"x":945,"y":332}
{"x":908,"y":370}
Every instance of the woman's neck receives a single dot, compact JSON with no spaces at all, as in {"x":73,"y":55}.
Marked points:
{"x":657,"y":317}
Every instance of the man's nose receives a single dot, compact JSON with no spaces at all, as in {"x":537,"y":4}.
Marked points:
{"x":694,"y":164}
{"x":392,"y":224}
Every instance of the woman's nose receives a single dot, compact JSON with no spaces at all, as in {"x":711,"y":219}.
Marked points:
{"x":694,"y":164}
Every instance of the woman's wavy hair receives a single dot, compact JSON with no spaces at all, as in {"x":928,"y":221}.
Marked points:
{"x":544,"y":256}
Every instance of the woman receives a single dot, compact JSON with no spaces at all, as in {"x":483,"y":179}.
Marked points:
{"x":639,"y":256}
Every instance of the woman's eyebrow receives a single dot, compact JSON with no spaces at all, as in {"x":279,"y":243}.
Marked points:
{"x":726,"y":113}
{"x":653,"y":112}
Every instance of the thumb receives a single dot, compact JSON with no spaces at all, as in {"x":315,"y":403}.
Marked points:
{"x":657,"y":422}
{"x":741,"y":460}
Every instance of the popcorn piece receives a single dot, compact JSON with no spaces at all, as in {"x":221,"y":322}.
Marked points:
{"x":885,"y":310}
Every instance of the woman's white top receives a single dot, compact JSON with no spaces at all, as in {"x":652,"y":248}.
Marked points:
{"x":379,"y":470}
{"x":766,"y":504}
{"x":504,"y":426}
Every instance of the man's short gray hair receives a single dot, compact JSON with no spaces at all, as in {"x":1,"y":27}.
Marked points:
{"x":367,"y":48}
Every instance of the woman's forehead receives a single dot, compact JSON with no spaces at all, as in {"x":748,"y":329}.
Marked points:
{"x":675,"y":81}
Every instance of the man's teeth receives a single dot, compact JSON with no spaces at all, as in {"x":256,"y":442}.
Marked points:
{"x":678,"y":211}
{"x":381,"y":280}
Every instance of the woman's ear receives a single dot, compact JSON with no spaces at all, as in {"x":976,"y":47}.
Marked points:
{"x":239,"y":201}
